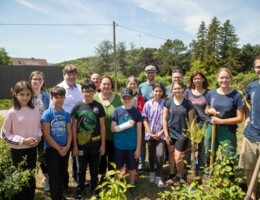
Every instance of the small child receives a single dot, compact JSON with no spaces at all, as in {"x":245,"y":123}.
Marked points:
{"x":88,"y":128}
{"x":22,"y":132}
{"x":127,"y":127}
{"x":152,"y":114}
{"x":56,"y":125}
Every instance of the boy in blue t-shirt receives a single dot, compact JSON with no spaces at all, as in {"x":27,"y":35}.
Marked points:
{"x":127,"y":126}
{"x":56,"y":126}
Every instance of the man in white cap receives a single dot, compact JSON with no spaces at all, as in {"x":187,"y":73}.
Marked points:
{"x":146,"y":88}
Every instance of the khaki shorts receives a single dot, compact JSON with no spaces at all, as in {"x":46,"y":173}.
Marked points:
{"x":249,"y":153}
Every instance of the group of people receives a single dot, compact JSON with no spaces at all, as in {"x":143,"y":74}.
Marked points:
{"x":99,"y":127}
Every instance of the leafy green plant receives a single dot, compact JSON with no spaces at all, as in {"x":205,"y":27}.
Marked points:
{"x":5,"y":104}
{"x":195,"y":133}
{"x":114,"y":187}
{"x":12,"y":179}
{"x":220,"y":185}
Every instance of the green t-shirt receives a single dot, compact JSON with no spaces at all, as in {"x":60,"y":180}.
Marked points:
{"x":109,"y":111}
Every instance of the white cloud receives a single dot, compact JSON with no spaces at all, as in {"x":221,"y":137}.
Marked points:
{"x":185,"y":14}
{"x":32,"y":6}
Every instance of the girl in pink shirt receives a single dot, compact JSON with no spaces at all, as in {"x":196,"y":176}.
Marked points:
{"x":22,"y":132}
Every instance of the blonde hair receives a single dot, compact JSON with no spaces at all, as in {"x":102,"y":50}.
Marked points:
{"x":225,"y":70}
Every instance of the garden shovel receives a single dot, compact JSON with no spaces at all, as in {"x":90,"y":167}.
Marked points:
{"x":253,"y":180}
{"x":212,"y":153}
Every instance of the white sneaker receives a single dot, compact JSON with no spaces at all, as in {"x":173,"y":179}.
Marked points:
{"x":182,"y":181}
{"x":45,"y":184}
{"x":152,"y":177}
{"x":158,"y":182}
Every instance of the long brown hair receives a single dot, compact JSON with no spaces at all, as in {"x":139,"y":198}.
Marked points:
{"x":205,"y":84}
{"x":20,"y":86}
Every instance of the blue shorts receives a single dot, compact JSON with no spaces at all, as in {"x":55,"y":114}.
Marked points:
{"x":127,"y":157}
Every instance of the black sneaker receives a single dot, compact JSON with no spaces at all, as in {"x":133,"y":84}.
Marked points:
{"x":133,"y":191}
{"x":79,"y":195}
{"x":176,"y":178}
{"x":63,"y":198}
{"x":87,"y":184}
{"x":95,"y":194}
{"x":66,"y":190}
{"x":170,"y":177}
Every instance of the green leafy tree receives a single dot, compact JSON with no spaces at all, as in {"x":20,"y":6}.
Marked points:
{"x":147,"y":57}
{"x":171,"y":55}
{"x":104,"y":52}
{"x":121,"y":57}
{"x":4,"y":58}
{"x":247,"y":56}
{"x":133,"y":62}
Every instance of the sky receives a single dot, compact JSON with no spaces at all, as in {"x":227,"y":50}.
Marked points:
{"x":145,"y":23}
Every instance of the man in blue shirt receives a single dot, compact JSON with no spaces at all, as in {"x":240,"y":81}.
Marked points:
{"x":251,"y":141}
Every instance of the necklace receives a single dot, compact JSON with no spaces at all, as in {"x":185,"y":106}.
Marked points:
{"x":103,"y":97}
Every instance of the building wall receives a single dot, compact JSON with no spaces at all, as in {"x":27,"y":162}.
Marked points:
{"x":10,"y":75}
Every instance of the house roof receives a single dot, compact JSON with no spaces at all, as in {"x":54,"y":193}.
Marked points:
{"x":29,"y":61}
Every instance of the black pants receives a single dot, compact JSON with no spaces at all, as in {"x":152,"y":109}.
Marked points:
{"x":107,"y":158}
{"x":41,"y":155}
{"x":57,"y":166}
{"x":18,"y":156}
{"x":88,"y":156}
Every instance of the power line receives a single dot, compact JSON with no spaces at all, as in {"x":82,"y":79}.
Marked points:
{"x":81,"y":24}
{"x":48,"y":24}
{"x":142,"y":32}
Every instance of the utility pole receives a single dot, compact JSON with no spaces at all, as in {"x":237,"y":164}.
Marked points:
{"x":115,"y":66}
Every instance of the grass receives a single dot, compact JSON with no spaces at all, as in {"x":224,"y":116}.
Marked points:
{"x":147,"y":190}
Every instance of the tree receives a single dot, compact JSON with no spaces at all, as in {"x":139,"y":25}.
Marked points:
{"x":229,"y":47}
{"x":147,"y":57}
{"x":171,"y":54}
{"x":247,"y":56}
{"x":104,"y":51}
{"x":121,"y":57}
{"x":4,"y":58}
{"x":133,"y":62}
{"x":212,"y":57}
{"x":199,"y":46}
